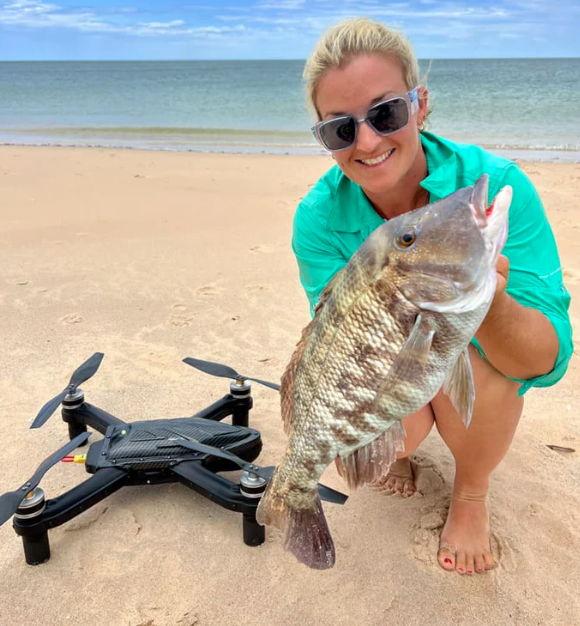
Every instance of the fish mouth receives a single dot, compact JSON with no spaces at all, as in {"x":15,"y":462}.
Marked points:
{"x":491,"y":219}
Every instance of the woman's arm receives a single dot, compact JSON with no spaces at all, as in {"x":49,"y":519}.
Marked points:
{"x":527,"y":333}
{"x":519,"y":341}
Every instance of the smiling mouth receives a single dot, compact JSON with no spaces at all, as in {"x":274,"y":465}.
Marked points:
{"x":378,"y":160}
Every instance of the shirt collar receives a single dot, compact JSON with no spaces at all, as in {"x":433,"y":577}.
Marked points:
{"x":352,"y":212}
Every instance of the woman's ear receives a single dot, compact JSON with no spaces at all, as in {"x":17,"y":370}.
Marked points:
{"x":423,"y":93}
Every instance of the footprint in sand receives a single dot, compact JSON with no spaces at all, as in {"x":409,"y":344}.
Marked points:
{"x":428,"y":477}
{"x":504,"y":554}
{"x":261,"y":249}
{"x":255,"y":288}
{"x":72,"y":318}
{"x":180,"y":321}
{"x":207,"y":290}
{"x":432,"y":520}
{"x":425,"y":545}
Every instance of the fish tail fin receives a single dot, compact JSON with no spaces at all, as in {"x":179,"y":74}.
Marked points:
{"x":308,"y":537}
{"x":306,"y":531}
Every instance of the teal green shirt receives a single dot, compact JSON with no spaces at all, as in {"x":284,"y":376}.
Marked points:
{"x":335,"y":217}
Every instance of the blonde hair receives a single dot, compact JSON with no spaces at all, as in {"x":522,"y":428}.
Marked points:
{"x":352,"y":37}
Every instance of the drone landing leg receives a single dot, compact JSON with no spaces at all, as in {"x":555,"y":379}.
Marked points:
{"x":225,"y":493}
{"x":254,"y":534}
{"x":36,"y":548}
{"x":34,"y":530}
{"x":75,"y":429}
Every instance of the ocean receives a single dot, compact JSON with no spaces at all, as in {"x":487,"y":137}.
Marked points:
{"x":522,"y":108}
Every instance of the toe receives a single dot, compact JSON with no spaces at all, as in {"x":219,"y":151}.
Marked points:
{"x":460,"y":562}
{"x":469,"y":564}
{"x":408,"y":488}
{"x":488,"y":559}
{"x":479,"y":563}
{"x":446,"y":559}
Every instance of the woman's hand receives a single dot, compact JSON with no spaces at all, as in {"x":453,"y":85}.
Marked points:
{"x":502,"y":269}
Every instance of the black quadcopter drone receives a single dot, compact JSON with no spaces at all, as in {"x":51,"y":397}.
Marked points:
{"x":191,"y":450}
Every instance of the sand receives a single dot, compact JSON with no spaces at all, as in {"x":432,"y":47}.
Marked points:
{"x":150,"y":257}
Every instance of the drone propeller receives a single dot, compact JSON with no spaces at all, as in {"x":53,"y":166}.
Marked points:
{"x":326,"y":493}
{"x":80,"y":375}
{"x":224,"y":371}
{"x":10,"y":501}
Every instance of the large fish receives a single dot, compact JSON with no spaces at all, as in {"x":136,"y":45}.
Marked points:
{"x":391,"y":329}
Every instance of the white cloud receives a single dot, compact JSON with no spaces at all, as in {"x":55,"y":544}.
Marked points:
{"x":38,"y":14}
{"x":162,"y":24}
{"x":281,"y":4}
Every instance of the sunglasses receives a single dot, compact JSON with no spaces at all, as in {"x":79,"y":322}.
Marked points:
{"x":385,"y":118}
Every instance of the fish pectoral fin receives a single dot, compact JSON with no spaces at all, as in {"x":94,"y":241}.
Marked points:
{"x":460,"y":388}
{"x":371,"y":462}
{"x":413,"y":357}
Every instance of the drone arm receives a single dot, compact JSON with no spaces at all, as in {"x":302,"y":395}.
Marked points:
{"x":89,"y":415}
{"x":213,"y":486}
{"x":238,"y":408}
{"x":218,"y":410}
{"x":70,"y":504}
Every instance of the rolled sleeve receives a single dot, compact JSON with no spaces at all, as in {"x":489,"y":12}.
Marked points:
{"x":535,"y":277}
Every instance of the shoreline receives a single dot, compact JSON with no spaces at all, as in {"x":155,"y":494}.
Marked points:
{"x":541,"y":155}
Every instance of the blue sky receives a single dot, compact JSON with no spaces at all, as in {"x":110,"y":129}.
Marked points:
{"x":278,"y":29}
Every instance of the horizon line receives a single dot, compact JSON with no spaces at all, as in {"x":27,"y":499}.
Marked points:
{"x":302,"y":60}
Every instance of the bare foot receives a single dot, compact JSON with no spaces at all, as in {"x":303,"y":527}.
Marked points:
{"x":464,"y":543}
{"x":399,"y":479}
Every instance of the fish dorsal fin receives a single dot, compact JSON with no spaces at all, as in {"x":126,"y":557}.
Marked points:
{"x":288,"y":379}
{"x":289,"y":376}
{"x":325,"y":294}
{"x":460,"y":388}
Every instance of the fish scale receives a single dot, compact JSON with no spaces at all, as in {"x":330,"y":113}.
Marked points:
{"x":390,"y":330}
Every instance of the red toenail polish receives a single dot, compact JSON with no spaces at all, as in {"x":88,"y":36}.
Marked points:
{"x":448,"y":561}
{"x":460,"y":569}
{"x":470,"y":571}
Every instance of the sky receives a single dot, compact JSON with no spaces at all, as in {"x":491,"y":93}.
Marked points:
{"x":278,"y":29}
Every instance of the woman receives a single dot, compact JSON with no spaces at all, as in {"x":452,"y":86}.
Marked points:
{"x":362,"y":81}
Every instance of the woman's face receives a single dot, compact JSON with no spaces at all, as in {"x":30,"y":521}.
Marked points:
{"x":362,"y":82}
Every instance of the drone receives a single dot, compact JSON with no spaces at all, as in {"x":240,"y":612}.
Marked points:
{"x":191,"y":450}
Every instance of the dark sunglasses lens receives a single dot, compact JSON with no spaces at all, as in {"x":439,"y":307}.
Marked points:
{"x":389,"y":117}
{"x":338,"y":134}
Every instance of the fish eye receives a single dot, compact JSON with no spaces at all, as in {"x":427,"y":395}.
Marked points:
{"x":406,"y":240}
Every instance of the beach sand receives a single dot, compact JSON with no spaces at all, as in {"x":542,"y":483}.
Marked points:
{"x":150,"y":257}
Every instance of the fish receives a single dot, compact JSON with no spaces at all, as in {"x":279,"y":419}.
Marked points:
{"x":390,"y":330}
